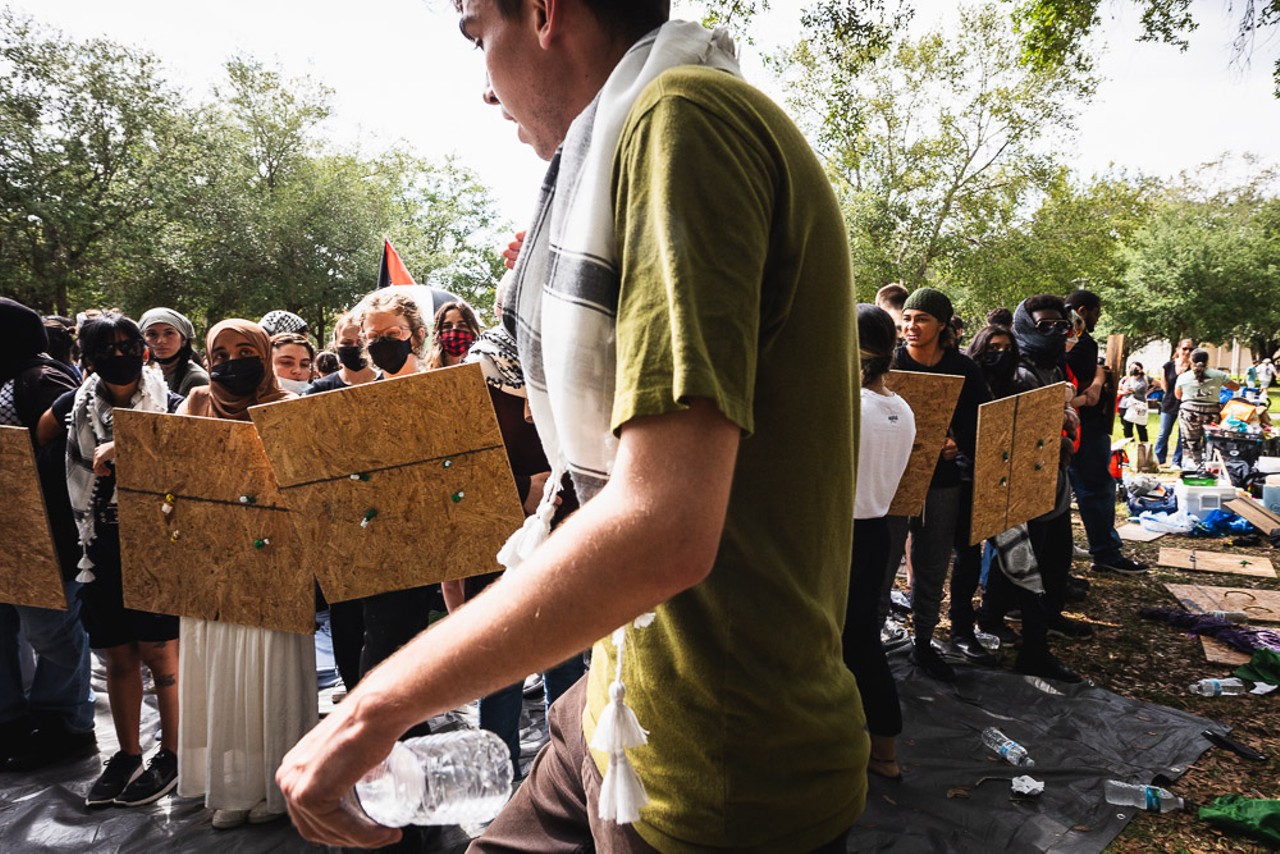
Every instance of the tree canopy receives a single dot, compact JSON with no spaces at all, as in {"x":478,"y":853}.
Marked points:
{"x":115,"y":191}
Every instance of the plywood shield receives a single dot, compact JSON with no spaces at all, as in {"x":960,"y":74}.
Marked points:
{"x":228,"y":547}
{"x":29,"y":573}
{"x":399,"y":483}
{"x":1015,"y":471}
{"x":932,"y":398}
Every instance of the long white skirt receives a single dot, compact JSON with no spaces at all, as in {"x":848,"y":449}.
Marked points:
{"x":247,"y":695}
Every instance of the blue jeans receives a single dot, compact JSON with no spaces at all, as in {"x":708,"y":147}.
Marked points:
{"x":60,"y":685}
{"x":500,"y":711}
{"x":1095,"y":490}
{"x":1168,"y":420}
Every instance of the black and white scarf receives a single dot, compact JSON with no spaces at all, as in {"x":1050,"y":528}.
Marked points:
{"x":90,"y":425}
{"x":563,"y":313}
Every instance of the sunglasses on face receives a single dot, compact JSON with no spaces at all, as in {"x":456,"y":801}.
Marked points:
{"x":124,"y":348}
{"x":1053,"y":325}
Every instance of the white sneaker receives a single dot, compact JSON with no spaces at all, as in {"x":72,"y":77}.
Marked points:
{"x":224,"y":819}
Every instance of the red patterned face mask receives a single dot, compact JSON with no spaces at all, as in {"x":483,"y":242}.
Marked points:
{"x":456,"y":342}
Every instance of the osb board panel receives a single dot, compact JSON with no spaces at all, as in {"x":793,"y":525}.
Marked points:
{"x":29,"y":573}
{"x":1037,"y":446}
{"x":1027,"y":441}
{"x":1217,"y":652}
{"x":932,"y":398}
{"x":422,"y":454}
{"x":1262,"y":606}
{"x":1201,"y":561}
{"x":992,"y":465}
{"x":1257,"y":515}
{"x":1135,"y":533}
{"x":200,"y":559}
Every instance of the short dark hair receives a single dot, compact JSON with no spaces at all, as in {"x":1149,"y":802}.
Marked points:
{"x":101,"y":329}
{"x":1041,"y":302}
{"x":1000,"y":317}
{"x":1083,"y":299}
{"x":877,"y":339}
{"x":629,"y":18}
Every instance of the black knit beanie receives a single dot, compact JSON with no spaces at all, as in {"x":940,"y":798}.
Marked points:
{"x":930,"y":301}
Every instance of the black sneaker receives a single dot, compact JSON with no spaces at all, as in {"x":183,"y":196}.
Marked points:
{"x":51,"y":743}
{"x":1046,"y":667}
{"x":122,"y":769}
{"x":931,"y":663}
{"x":1065,"y":627}
{"x":154,"y":783}
{"x":973,"y":652}
{"x":1122,"y":566}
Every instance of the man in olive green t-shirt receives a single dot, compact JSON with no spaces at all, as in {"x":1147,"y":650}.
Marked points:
{"x":728,"y":507}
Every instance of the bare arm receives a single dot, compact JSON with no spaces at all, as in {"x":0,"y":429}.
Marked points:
{"x":651,"y":533}
{"x":46,"y":428}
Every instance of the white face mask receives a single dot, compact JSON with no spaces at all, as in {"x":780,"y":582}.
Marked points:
{"x":295,"y":386}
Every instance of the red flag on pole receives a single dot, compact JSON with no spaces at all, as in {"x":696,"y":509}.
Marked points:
{"x":392,"y":270}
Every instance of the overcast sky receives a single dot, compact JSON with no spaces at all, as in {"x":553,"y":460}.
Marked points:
{"x":400,"y":70}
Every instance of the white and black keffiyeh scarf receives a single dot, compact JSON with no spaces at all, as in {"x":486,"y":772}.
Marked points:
{"x":499,"y":360}
{"x":563,"y":314}
{"x":90,"y":425}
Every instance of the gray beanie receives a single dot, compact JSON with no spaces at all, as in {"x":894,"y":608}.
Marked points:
{"x":171,"y":317}
{"x":930,"y":301}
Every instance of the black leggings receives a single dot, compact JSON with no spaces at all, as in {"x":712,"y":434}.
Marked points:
{"x":1128,"y":430}
{"x":863,"y":654}
{"x":391,"y":620}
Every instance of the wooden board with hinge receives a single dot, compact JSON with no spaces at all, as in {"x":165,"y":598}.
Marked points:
{"x":226,"y":548}
{"x":397,"y":483}
{"x":932,"y":398}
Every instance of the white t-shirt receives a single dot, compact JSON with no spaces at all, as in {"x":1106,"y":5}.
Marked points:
{"x":887,"y":429}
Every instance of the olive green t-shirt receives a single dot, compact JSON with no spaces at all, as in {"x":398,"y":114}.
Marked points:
{"x":736,"y":286}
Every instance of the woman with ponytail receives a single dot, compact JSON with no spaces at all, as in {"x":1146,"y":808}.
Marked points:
{"x":1198,"y":390}
{"x":888,"y":428}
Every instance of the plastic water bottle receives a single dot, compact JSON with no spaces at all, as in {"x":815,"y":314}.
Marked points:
{"x":1149,"y":798}
{"x":461,"y":777}
{"x":1230,"y":616}
{"x":1006,"y":748}
{"x":1218,"y":687}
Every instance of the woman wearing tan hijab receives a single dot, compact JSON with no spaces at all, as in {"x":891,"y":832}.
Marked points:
{"x":248,"y":694}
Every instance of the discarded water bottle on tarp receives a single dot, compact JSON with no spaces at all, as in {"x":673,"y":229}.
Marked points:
{"x":1006,"y":748}
{"x":1149,"y":798}
{"x":1230,"y":616}
{"x":461,"y":777}
{"x":1218,"y":687}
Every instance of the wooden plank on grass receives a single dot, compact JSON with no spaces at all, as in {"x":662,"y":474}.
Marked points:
{"x":932,"y":398}
{"x":1224,"y":562}
{"x":1135,"y":533}
{"x":1257,"y":515}
{"x":29,"y":572}
{"x":1262,"y":606}
{"x":212,"y":556}
{"x":1217,"y":652}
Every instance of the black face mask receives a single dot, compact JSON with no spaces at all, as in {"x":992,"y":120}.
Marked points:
{"x":352,"y":358}
{"x":997,"y":360}
{"x":390,"y":354}
{"x":118,"y":370}
{"x":240,"y":377}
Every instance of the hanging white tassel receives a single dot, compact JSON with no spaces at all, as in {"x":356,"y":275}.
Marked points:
{"x":621,"y":792}
{"x":536,"y":528}
{"x":85,"y":565}
{"x":618,"y":727}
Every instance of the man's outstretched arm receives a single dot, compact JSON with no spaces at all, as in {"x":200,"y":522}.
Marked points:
{"x":652,"y":532}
